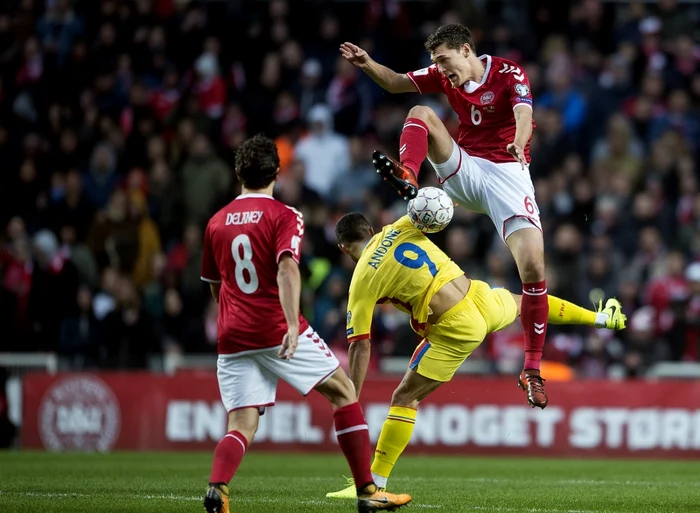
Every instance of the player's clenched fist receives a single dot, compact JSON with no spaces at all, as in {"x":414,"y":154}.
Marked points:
{"x":289,"y":343}
{"x":354,"y":54}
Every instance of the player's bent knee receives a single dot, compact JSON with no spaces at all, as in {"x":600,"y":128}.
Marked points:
{"x":422,"y":112}
{"x":338,"y":389}
{"x":405,"y":396}
{"x":532,"y":270}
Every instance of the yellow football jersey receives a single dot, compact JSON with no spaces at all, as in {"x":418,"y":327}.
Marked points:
{"x":402,"y":266}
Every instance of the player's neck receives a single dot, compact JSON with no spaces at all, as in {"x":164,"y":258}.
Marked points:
{"x":356,"y":249}
{"x":478,"y":69}
{"x":267,"y":191}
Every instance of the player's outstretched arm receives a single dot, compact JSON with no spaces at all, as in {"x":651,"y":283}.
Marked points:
{"x":386,"y":78}
{"x":358,"y":358}
{"x":289,"y":284}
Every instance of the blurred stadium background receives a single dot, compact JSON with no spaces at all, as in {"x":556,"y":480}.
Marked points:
{"x":119,"y":121}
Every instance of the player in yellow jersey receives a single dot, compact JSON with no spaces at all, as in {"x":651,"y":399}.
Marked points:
{"x":451,"y":312}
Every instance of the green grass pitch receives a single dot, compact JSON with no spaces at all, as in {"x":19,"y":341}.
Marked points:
{"x":290,"y":483}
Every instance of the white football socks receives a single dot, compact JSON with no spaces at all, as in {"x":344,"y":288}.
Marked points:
{"x":600,"y":320}
{"x":380,"y":481}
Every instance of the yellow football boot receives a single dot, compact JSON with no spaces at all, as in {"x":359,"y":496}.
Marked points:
{"x":613,"y":309}
{"x":346,"y":493}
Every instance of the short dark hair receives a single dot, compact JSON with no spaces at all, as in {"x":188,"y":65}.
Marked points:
{"x":453,"y":36}
{"x":352,"y":227}
{"x":257,"y":162}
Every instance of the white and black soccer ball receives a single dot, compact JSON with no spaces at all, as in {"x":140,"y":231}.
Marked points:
{"x":431,"y":210}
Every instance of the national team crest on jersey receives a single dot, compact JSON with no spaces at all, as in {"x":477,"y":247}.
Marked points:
{"x":522,"y":89}
{"x":487,"y":97}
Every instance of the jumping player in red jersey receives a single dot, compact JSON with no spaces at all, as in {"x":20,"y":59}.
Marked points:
{"x":486,"y":169}
{"x":251,"y":260}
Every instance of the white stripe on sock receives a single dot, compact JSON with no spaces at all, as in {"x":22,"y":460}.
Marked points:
{"x":359,"y":427}
{"x":541,"y":293}
{"x":415,"y":124}
{"x":237,"y":439}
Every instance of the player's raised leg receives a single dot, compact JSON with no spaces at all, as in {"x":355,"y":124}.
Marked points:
{"x":527,"y":247}
{"x":563,"y":312}
{"x":423,"y":134}
{"x":353,"y":438}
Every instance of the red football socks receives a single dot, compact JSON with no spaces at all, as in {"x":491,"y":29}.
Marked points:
{"x":413,"y":144}
{"x":534,"y":311}
{"x":227,"y":457}
{"x":353,"y":437}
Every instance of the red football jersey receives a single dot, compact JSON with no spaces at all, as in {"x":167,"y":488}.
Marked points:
{"x":485,"y":109}
{"x":243,"y":244}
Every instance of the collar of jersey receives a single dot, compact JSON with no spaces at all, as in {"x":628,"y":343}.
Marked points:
{"x":253,"y":195}
{"x":471,"y":86}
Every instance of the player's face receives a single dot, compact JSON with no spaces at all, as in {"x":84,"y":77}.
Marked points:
{"x":452,"y":63}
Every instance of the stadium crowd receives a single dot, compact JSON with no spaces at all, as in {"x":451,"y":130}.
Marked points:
{"x":119,"y":122}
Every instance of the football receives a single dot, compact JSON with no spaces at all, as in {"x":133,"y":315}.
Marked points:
{"x":431,"y":210}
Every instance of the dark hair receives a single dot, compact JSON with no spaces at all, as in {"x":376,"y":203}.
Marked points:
{"x":257,"y":162}
{"x":453,"y":36}
{"x":352,"y":227}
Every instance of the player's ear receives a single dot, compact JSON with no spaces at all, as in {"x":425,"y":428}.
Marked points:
{"x":466,"y":49}
{"x":371,"y":231}
{"x":342,"y":248}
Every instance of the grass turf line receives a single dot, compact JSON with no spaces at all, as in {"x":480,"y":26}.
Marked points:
{"x":291,"y":483}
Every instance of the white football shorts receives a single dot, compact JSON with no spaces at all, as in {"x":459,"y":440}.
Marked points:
{"x":249,"y":379}
{"x":504,"y":191}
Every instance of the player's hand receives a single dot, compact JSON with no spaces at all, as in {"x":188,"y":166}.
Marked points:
{"x":289,"y":343}
{"x":518,"y":154}
{"x":354,"y":55}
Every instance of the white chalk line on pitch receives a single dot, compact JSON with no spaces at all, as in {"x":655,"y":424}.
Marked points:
{"x":272,"y":500}
{"x":496,"y":480}
{"x":173,"y":497}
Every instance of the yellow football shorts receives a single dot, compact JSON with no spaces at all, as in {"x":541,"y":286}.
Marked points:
{"x":461,"y":329}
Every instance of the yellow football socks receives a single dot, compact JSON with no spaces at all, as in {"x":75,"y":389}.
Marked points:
{"x":564,"y":312}
{"x":395,"y":435}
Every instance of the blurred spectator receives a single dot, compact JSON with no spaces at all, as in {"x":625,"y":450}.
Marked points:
{"x":128,"y":333}
{"x":349,"y":189}
{"x":101,"y":178}
{"x":58,"y":28}
{"x":325,"y":153}
{"x":644,"y":347}
{"x":69,"y":206}
{"x":54,"y":289}
{"x":205,"y":179}
{"x":78,"y":340}
{"x":209,"y":87}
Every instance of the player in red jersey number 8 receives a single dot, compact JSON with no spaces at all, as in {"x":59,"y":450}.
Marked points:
{"x":250,"y":258}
